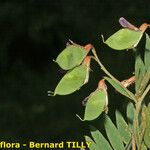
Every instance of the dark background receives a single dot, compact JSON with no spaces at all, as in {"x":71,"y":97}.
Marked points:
{"x":32,"y":34}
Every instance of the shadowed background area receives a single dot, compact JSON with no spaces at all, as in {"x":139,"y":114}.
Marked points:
{"x":32,"y":34}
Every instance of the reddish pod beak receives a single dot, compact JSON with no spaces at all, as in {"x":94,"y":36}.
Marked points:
{"x":88,"y":47}
{"x":144,"y":26}
{"x":102,"y":85}
{"x":87,"y":61}
{"x":126,"y":83}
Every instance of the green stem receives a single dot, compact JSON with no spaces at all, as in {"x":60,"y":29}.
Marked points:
{"x":145,"y":93}
{"x":143,"y":125}
{"x":133,"y":142}
{"x":136,"y":127}
{"x":110,"y":75}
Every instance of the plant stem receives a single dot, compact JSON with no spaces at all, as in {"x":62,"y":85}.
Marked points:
{"x":133,"y":143}
{"x":143,"y":125}
{"x":110,"y":75}
{"x":144,"y":93}
{"x":136,"y":123}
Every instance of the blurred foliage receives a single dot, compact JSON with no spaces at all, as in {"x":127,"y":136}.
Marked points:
{"x":32,"y":33}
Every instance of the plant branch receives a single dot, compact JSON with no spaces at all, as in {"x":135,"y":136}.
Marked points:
{"x":144,"y":93}
{"x":136,"y":127}
{"x":133,"y":143}
{"x":143,"y":125}
{"x":110,"y":75}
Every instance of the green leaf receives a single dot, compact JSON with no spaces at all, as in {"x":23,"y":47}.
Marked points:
{"x":72,"y":81}
{"x":93,"y":145}
{"x":120,"y":88}
{"x":139,"y":71}
{"x":147,"y":53}
{"x":71,"y":57}
{"x":147,"y":130}
{"x":95,"y":104}
{"x":130,"y":114}
{"x":143,"y":147}
{"x":124,"y":39}
{"x":123,"y":128}
{"x":99,"y":139}
{"x":113,"y":135}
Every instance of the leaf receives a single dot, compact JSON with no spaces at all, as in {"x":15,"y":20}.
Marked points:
{"x":130,"y":114}
{"x":93,"y":145}
{"x":147,"y":53}
{"x":147,"y":129}
{"x":71,"y":57}
{"x":123,"y":128}
{"x":99,"y":139}
{"x":124,"y":39}
{"x":143,"y":147}
{"x":72,"y":81}
{"x":139,"y":71}
{"x":113,"y":135}
{"x":95,"y":104}
{"x":120,"y":88}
